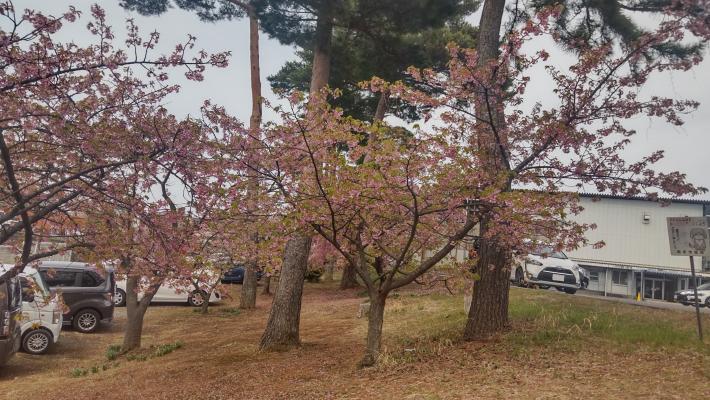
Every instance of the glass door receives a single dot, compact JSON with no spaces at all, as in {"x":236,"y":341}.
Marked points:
{"x":654,"y":288}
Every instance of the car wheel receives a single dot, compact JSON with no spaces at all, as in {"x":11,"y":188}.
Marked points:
{"x":543,"y":287}
{"x":36,"y":341}
{"x":197,"y":298}
{"x":570,"y":290}
{"x":86,"y":321}
{"x":519,"y":277}
{"x":119,"y":298}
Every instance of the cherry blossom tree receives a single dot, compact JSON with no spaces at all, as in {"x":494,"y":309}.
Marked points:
{"x":551,"y":149}
{"x":73,"y":116}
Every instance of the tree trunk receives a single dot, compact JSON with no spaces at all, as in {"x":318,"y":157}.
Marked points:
{"x":135,"y":311}
{"x":349,"y":278}
{"x":374,"y":329}
{"x":282,"y":329}
{"x":204,"y":308}
{"x":267,"y":285}
{"x":247,"y":298}
{"x":255,"y":120}
{"x":382,"y":105}
{"x":488,"y":314}
{"x":322,"y":47}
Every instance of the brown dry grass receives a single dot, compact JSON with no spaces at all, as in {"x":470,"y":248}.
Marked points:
{"x":561,"y":347}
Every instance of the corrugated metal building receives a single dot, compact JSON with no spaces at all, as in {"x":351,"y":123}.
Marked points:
{"x":636,"y":258}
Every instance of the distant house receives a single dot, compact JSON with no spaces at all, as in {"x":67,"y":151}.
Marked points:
{"x":636,"y":258}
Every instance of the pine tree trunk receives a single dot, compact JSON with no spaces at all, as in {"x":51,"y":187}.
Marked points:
{"x":282,"y":329}
{"x":488,"y":314}
{"x":247,"y":298}
{"x":135,"y":312}
{"x":382,"y":105}
{"x":374,"y":329}
{"x":267,"y":285}
{"x":322,"y":47}
{"x":255,"y":119}
{"x":349,"y":278}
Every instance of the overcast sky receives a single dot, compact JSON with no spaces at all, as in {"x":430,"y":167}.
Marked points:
{"x":687,"y":148}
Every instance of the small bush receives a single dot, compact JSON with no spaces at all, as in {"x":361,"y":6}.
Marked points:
{"x":314,"y":275}
{"x":137,"y":357}
{"x":167,"y":348}
{"x":79,"y":372}
{"x":113,"y":352}
{"x":95,"y":369}
{"x":230,"y":311}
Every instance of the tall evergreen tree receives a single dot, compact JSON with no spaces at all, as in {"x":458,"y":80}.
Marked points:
{"x":581,"y":23}
{"x":214,"y":10}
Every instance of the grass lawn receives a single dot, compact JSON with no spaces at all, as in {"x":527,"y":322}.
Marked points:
{"x":560,"y":346}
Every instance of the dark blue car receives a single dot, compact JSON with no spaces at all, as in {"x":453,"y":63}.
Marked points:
{"x":236,"y":275}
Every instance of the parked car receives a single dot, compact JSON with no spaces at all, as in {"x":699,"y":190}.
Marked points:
{"x":41,"y":314}
{"x":546,"y":268}
{"x":87,"y":292}
{"x":687,"y":296}
{"x":236,"y":275}
{"x":10,"y":309}
{"x":168,"y":294}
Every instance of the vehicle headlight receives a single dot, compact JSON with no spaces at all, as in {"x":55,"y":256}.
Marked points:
{"x":533,"y":262}
{"x":56,"y":315}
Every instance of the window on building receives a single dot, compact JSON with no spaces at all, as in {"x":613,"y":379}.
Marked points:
{"x":594,"y":276}
{"x":620,"y":278}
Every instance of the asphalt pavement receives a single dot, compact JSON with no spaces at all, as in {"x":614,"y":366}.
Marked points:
{"x":660,"y":304}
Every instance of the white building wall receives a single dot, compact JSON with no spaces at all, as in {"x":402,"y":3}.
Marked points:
{"x":630,"y":241}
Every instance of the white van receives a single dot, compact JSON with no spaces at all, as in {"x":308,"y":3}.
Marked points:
{"x":41,"y":314}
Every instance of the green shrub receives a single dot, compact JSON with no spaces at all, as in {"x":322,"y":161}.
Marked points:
{"x":79,"y":372}
{"x":230,"y":311}
{"x":314,"y":275}
{"x":167,"y":348}
{"x":113,"y":352}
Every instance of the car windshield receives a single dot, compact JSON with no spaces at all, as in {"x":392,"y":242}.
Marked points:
{"x":548,"y":251}
{"x":705,"y":286}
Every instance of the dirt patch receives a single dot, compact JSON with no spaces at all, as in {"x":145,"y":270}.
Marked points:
{"x":219,"y":358}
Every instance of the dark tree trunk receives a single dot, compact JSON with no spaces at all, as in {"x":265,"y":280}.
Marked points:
{"x":267,"y":285}
{"x":349,"y":278}
{"x":374,"y":329}
{"x":488,"y":314}
{"x":247,"y":298}
{"x":282,"y":329}
{"x":135,"y":311}
{"x":322,"y":47}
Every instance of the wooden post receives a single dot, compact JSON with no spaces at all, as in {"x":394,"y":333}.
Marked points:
{"x":695,"y":293}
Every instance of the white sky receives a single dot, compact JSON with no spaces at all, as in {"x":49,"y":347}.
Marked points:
{"x":686,"y":147}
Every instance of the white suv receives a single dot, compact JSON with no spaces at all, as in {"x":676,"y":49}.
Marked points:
{"x":545,"y":268}
{"x":41,"y":314}
{"x":687,"y":296}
